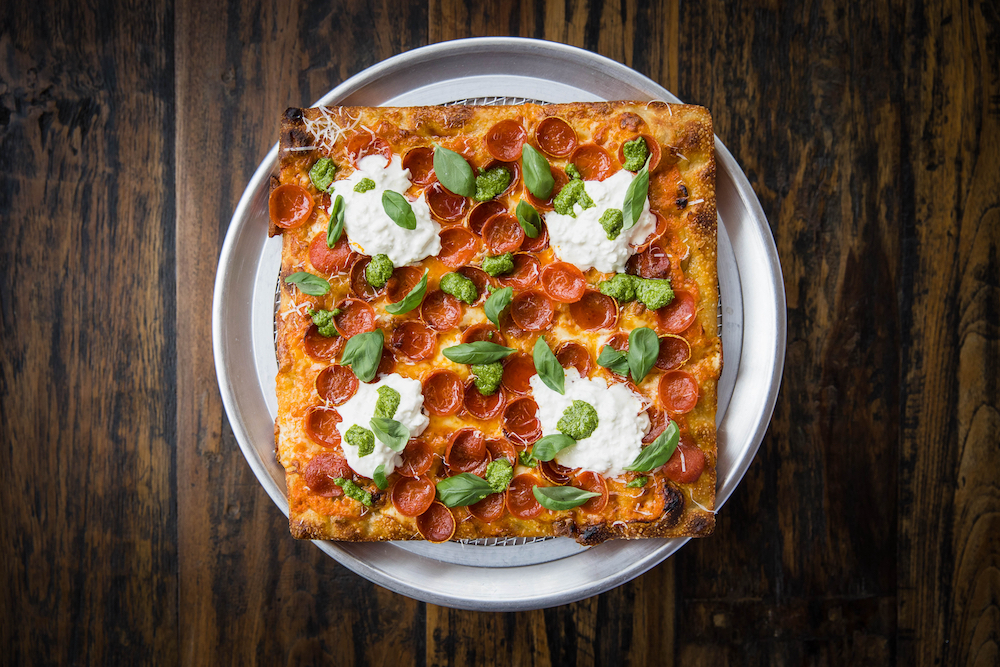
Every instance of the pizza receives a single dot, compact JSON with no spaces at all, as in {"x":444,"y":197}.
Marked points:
{"x":497,"y":321}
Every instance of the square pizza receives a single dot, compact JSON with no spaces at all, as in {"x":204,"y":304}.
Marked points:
{"x":497,"y":321}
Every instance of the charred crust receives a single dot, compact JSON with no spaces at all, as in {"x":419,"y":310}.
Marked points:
{"x":673,"y":507}
{"x":594,"y":535}
{"x":700,"y":525}
{"x":272,"y":229}
{"x":293,"y":114}
{"x":630,"y":121}
{"x":704,"y":220}
{"x":682,"y":199}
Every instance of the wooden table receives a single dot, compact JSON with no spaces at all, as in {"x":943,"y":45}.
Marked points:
{"x":866,"y":532}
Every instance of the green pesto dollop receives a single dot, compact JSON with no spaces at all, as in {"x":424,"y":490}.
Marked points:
{"x":527,"y":459}
{"x":498,"y":474}
{"x":491,"y":182}
{"x":378,"y":271}
{"x":321,"y":174}
{"x":612,"y":221}
{"x":388,"y":401}
{"x":364,"y":185}
{"x":487,"y":377}
{"x":572,"y":193}
{"x":459,"y":287}
{"x":362,"y":438}
{"x":578,"y":421}
{"x":573,"y":172}
{"x":323,"y":319}
{"x":498,"y":265}
{"x":636,"y":152}
{"x":653,"y":293}
{"x":353,"y":491}
{"x":621,"y":287}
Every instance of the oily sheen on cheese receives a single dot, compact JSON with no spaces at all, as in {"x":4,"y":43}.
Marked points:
{"x":557,"y":281}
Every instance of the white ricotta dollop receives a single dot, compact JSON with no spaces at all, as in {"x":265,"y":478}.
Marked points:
{"x":583,"y":242}
{"x":360,"y":409}
{"x":621,"y":422}
{"x":369,"y":229}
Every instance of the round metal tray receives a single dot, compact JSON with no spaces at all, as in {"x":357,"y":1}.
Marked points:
{"x":491,"y":575}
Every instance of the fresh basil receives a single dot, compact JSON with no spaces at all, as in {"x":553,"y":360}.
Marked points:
{"x":363,"y":353}
{"x":411,"y":300}
{"x":392,"y":434}
{"x":643,"y":348}
{"x":530,"y":221}
{"x":454,"y":172}
{"x":308,"y":283}
{"x":561,"y":497}
{"x":527,"y":459}
{"x":398,"y":208}
{"x":656,"y":454}
{"x":463,"y":489}
{"x":613,"y":360}
{"x":637,"y":483}
{"x":496,"y":302}
{"x":379,"y":476}
{"x":635,"y":198}
{"x":480,"y":352}
{"x":336,"y":225}
{"x":537,"y":173}
{"x":547,"y":448}
{"x":548,"y":367}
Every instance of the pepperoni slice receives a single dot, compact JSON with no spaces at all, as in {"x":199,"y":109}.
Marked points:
{"x":508,"y":328}
{"x":591,"y":481}
{"x":555,"y":137}
{"x":458,"y":246}
{"x":322,"y":470}
{"x":652,"y":262}
{"x":658,"y":421}
{"x":517,"y":371}
{"x":525,"y":273}
{"x":330,"y":261}
{"x":593,"y":162}
{"x":321,"y":425}
{"x":619,"y":341}
{"x":490,"y":508}
{"x":504,"y":140}
{"x":575,"y":355}
{"x":483,"y":212}
{"x":411,"y":496}
{"x":555,"y":473}
{"x":437,"y":524}
{"x":520,"y":423}
{"x":521,"y":499}
{"x":364,"y":144}
{"x":443,"y":393}
{"x":563,"y":282}
{"x":679,"y":314}
{"x":482,"y":407}
{"x":359,"y":284}
{"x":386,"y":365}
{"x":651,"y":144}
{"x":413,"y":341}
{"x":560,"y":178}
{"x":420,"y":162}
{"x":678,"y":391}
{"x":445,"y":205}
{"x":483,"y":332}
{"x":674,"y":352}
{"x":594,"y":311}
{"x":355,"y":317}
{"x":417,"y":459}
{"x":441,"y":311}
{"x":502,"y":233}
{"x":319,"y":346}
{"x":502,"y":449}
{"x":336,"y":384}
{"x":685,"y":465}
{"x":402,"y":280}
{"x":532,"y":310}
{"x":537,"y":244}
{"x":656,"y":234}
{"x":290,"y":205}
{"x":466,"y":452}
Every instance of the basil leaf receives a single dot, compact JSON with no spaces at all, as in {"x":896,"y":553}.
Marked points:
{"x":363,"y":353}
{"x":463,"y":489}
{"x":454,"y":172}
{"x":656,"y":454}
{"x":527,"y":459}
{"x":379,"y":476}
{"x":308,"y":283}
{"x":637,"y":483}
{"x":537,"y":173}
{"x":548,"y":367}
{"x":613,"y":360}
{"x":530,"y":221}
{"x":336,"y":226}
{"x":643,"y":348}
{"x":398,"y":208}
{"x":411,"y":300}
{"x":480,"y":352}
{"x":561,"y":497}
{"x":495,"y":304}
{"x":547,"y":448}
{"x":393,"y":434}
{"x":635,"y":197}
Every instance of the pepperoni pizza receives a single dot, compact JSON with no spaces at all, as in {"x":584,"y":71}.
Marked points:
{"x":497,"y":321}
